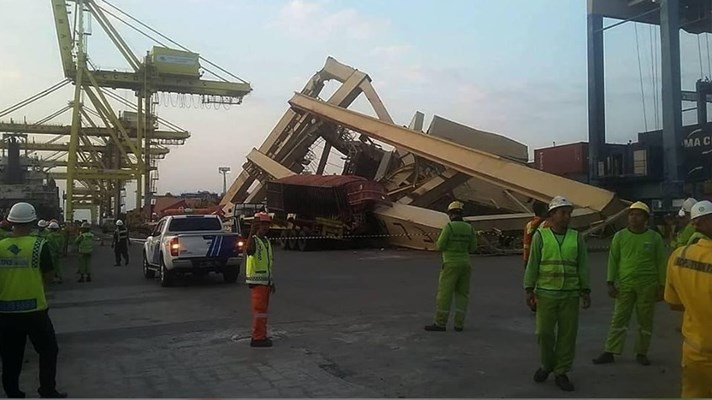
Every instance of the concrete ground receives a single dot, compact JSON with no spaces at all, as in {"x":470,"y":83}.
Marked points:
{"x":345,"y":324}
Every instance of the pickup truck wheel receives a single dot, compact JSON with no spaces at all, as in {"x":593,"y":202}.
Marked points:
{"x":166,"y":275}
{"x":283,"y":242}
{"x":303,"y":243}
{"x":230,"y":274}
{"x":148,"y":273}
{"x":292,"y":245}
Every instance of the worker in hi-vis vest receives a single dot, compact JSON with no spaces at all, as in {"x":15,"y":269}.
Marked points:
{"x":85,"y":248}
{"x":55,"y":240}
{"x":699,"y":210}
{"x":25,"y":268}
{"x":636,"y":279}
{"x":456,"y":242}
{"x":556,"y":281}
{"x":258,"y":275}
{"x":684,"y":235}
{"x":688,"y":287}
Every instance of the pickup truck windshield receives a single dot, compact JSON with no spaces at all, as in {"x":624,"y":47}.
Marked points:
{"x":193,"y":224}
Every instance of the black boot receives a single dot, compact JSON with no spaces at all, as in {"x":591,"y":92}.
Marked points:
{"x":51,"y":394}
{"x":642,"y":359}
{"x":562,"y":381}
{"x":435,"y":328}
{"x":16,"y":395}
{"x":261,"y":343}
{"x":604,"y":358}
{"x":541,"y":375}
{"x":88,"y":277}
{"x":81,"y":278}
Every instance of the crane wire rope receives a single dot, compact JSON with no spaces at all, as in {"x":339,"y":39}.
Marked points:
{"x":35,"y":97}
{"x":654,"y":72}
{"x":699,"y":54}
{"x":640,"y":75}
{"x":709,"y":59}
{"x":173,"y":42}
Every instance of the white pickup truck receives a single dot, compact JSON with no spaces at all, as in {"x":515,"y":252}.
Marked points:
{"x":191,"y":244}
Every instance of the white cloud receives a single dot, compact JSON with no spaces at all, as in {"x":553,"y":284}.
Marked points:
{"x":315,"y":20}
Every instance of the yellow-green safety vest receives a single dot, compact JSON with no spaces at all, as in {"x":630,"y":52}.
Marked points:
{"x":258,"y":267}
{"x":21,"y":285}
{"x":696,"y":237}
{"x":558,"y":269}
{"x":85,"y":243}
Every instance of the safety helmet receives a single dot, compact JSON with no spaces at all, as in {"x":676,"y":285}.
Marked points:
{"x":558,"y":202}
{"x":53,"y":220}
{"x":53,"y":225}
{"x":42,"y":223}
{"x":687,"y":206}
{"x":22,"y":213}
{"x":263,"y":217}
{"x":700,"y":209}
{"x":639,"y":205}
{"x":119,"y":222}
{"x":455,"y":206}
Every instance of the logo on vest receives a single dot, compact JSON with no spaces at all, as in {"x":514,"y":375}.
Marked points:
{"x":14,"y":249}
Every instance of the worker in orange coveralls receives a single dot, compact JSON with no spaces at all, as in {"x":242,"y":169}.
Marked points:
{"x":258,"y":275}
{"x":539,"y":221}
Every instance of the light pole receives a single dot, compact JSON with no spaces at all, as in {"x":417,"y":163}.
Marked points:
{"x":224,"y":171}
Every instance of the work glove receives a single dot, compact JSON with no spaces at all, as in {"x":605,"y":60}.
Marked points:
{"x":273,"y":288}
{"x":612,"y":290}
{"x":586,"y":301}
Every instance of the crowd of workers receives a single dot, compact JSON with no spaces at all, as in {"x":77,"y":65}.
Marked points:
{"x":641,"y":272}
{"x":31,"y":253}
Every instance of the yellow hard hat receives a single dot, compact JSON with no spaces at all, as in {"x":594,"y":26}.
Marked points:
{"x":639,"y":205}
{"x":455,"y":205}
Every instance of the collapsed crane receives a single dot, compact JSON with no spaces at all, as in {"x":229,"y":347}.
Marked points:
{"x":421,"y":173}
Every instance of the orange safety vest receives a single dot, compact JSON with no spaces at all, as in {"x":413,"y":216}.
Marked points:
{"x":532,"y":226}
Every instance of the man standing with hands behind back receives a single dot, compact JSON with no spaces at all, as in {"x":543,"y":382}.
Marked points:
{"x":557,"y":275}
{"x":258,"y":275}
{"x":636,"y":279}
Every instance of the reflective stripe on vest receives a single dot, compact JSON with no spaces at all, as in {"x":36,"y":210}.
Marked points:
{"x":258,"y":267}
{"x":122,"y":234}
{"x":558,"y":269}
{"x":21,"y":285}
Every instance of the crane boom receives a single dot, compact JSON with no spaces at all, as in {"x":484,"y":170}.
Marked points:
{"x":64,"y":37}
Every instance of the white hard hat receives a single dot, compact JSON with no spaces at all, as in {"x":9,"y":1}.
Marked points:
{"x":22,"y":213}
{"x":119,"y":222}
{"x":53,"y":225}
{"x":687,"y":206}
{"x":42,"y":223}
{"x":558,"y":202}
{"x":700,"y":209}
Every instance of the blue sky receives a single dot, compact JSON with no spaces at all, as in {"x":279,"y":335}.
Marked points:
{"x":513,"y":67}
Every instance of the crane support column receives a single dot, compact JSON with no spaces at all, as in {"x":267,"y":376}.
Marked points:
{"x":76,"y":115}
{"x":671,"y":95}
{"x":596,"y":95}
{"x":147,"y":152}
{"x":140,"y":128}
